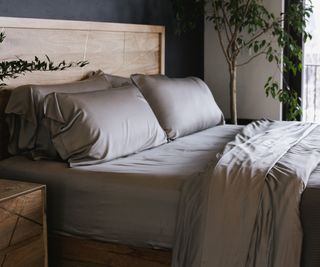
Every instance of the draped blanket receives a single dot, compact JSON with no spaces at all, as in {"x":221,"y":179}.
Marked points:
{"x":243,"y":211}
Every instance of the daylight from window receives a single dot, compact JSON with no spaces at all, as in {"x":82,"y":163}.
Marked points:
{"x":311,"y":74}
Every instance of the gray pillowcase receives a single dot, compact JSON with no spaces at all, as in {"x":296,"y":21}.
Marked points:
{"x":115,"y":81}
{"x":24,"y":114}
{"x":182,"y":106}
{"x":90,"y":128}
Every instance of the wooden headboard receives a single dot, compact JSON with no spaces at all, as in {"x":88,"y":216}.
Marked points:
{"x":120,"y":49}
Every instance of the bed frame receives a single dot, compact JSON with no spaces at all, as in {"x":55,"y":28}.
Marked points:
{"x":120,"y":49}
{"x":73,"y":252}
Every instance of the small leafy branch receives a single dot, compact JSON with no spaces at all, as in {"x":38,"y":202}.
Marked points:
{"x":247,"y":25}
{"x":12,"y":69}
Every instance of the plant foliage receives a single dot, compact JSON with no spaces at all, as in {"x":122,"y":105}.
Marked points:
{"x":248,"y":25}
{"x":11,"y":69}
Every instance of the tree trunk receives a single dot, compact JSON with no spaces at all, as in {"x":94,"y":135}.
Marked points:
{"x":233,"y":94}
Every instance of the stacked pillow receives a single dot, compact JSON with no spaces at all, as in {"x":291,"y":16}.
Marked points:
{"x":105,"y":117}
{"x":24,"y":115}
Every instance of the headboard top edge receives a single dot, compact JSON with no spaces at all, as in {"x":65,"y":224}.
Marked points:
{"x":36,"y":23}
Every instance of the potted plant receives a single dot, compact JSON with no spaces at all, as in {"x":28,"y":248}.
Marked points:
{"x":248,"y":25}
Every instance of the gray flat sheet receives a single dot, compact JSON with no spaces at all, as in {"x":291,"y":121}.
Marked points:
{"x":132,"y":200}
{"x":247,"y":212}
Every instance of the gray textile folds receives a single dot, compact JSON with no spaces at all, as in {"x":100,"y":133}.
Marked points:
{"x":245,"y":210}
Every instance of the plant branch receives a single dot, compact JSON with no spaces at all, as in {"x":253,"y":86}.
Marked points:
{"x":250,"y":59}
{"x":220,"y":38}
{"x":223,"y":47}
{"x":227,"y":25}
{"x":247,"y":7}
{"x":255,"y":37}
{"x":13,"y":68}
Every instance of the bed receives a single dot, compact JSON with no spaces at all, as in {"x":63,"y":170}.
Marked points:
{"x":130,"y":204}
{"x":140,"y":193}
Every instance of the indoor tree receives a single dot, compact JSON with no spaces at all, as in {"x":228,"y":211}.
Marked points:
{"x":247,"y":25}
{"x":11,"y":69}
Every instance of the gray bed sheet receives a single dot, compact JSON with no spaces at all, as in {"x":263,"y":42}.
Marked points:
{"x":132,"y":200}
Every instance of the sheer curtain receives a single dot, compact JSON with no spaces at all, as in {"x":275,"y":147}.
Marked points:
{"x":311,"y":73}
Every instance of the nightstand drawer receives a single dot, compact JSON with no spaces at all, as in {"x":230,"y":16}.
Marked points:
{"x":21,"y":218}
{"x":23,"y":231}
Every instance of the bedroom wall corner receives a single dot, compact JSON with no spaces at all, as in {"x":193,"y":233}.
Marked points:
{"x":252,"y":101}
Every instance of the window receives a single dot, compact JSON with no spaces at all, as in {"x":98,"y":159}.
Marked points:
{"x":311,"y":70}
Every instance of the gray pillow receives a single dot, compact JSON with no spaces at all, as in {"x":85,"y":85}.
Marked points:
{"x":24,"y":114}
{"x":182,"y":106}
{"x":116,"y":81}
{"x":90,"y":128}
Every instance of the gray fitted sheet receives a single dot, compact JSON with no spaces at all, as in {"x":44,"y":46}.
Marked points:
{"x":131,"y":200}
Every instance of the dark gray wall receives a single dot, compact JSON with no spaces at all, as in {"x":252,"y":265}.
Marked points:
{"x":184,"y":55}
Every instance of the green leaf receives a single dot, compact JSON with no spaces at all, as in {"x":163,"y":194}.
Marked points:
{"x":12,"y":69}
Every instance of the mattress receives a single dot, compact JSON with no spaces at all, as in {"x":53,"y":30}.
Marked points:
{"x":132,"y":200}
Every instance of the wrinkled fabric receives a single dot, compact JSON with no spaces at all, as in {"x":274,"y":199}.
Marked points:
{"x":245,"y":210}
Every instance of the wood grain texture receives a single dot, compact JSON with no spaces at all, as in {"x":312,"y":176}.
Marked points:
{"x":30,"y":255}
{"x":12,"y":189}
{"x":71,"y":252}
{"x":121,"y":49}
{"x":22,"y":224}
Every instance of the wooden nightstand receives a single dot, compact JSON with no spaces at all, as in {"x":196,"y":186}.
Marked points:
{"x":23,"y":229}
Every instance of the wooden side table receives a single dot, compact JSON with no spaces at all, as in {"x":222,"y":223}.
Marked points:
{"x":23,"y":227}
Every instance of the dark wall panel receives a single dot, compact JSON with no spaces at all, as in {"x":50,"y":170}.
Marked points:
{"x":184,"y":54}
